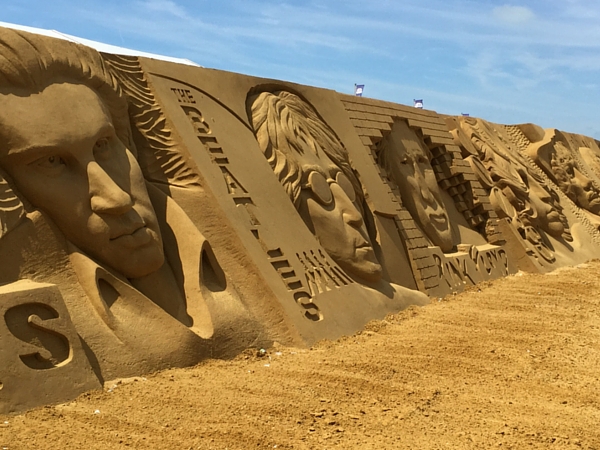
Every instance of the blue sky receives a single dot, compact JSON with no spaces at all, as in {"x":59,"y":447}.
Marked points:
{"x":507,"y":62}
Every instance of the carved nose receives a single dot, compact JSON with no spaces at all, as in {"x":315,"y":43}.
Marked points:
{"x":351,"y":214}
{"x":427,"y":195}
{"x":354,"y":218}
{"x":586,"y":183}
{"x":106,"y":197}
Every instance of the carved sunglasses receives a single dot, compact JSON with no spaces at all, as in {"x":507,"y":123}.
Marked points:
{"x":320,"y":187}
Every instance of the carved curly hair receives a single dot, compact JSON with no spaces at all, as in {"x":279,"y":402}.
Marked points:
{"x":282,"y":121}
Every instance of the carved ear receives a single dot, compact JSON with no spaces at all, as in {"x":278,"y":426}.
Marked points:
{"x":12,"y":209}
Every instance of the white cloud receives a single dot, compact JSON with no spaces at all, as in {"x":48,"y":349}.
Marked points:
{"x":513,"y":14}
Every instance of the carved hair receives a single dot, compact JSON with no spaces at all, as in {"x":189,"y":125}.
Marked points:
{"x":519,"y":187}
{"x":157,"y":150}
{"x":282,"y":121}
{"x":35,"y":62}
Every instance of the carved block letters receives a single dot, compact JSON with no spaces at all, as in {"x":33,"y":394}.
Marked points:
{"x":41,"y":357}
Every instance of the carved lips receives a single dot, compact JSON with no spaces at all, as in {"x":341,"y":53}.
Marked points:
{"x":365,"y":250}
{"x":439,"y":220}
{"x":133,"y":239}
{"x":593,"y":198}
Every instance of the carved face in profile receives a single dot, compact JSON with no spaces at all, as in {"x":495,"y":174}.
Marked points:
{"x":61,"y":150}
{"x":407,"y":162}
{"x":572,"y":181}
{"x":301,"y":149}
{"x":546,"y":208}
{"x":530,"y":199}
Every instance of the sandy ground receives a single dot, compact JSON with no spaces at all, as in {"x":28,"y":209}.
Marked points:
{"x":513,"y":364}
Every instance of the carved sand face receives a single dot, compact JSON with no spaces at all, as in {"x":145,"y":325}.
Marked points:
{"x":534,"y":204}
{"x":412,"y":172}
{"x":572,"y":182}
{"x":326,"y":205}
{"x":62,"y":152}
{"x":548,"y":216}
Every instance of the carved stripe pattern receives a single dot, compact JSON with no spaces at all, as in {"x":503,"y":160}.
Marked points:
{"x":158,"y":155}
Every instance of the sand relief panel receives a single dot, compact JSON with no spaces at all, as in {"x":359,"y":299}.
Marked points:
{"x":532,"y":212}
{"x":462,"y":256}
{"x":106,"y":269}
{"x":445,"y":216}
{"x":371,"y":120}
{"x":303,"y":293}
{"x":563,"y":160}
{"x":106,"y":260}
{"x":317,"y":290}
{"x":315,"y":170}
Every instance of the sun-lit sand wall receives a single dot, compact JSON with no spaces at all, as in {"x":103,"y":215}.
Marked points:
{"x":155,"y":214}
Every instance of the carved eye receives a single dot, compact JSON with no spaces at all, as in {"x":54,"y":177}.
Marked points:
{"x":52,"y":162}
{"x":101,"y":147}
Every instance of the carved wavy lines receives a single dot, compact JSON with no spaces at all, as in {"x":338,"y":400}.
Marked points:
{"x":158,"y":156}
{"x":11,"y":208}
{"x":517,"y":137}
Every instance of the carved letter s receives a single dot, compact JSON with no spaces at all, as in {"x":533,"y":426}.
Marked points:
{"x":35,"y":325}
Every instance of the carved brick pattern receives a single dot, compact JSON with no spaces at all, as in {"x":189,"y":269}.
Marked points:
{"x":373,"y":120}
{"x":456,"y":177}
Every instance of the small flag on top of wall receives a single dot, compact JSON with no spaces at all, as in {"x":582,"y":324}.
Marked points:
{"x":464,"y":114}
{"x":358,"y":89}
{"x":418,"y":103}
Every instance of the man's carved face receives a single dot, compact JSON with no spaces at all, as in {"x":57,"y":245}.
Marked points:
{"x":412,"y":172}
{"x":327,"y":206}
{"x":548,"y":217}
{"x":61,"y":150}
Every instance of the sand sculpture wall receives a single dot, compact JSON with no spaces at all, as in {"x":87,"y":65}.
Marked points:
{"x":153,"y":215}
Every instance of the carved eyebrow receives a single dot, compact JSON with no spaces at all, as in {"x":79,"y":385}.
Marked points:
{"x":105,"y":128}
{"x":334,"y":171}
{"x":330,"y":172}
{"x":310,"y":168}
{"x":28,"y":155}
